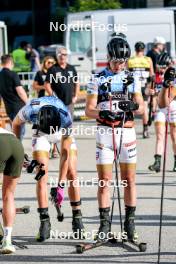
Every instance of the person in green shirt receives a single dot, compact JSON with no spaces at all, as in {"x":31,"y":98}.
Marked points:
{"x":20,"y":57}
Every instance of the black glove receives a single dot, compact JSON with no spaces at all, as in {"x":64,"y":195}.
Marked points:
{"x":169,"y":77}
{"x":107,"y":115}
{"x":128,"y":80}
{"x":128,"y":106}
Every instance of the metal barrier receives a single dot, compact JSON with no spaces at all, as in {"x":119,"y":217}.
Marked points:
{"x":27,"y":79}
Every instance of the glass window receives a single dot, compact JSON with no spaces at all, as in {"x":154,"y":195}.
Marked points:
{"x":80,"y":41}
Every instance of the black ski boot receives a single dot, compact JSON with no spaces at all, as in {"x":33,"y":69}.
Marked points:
{"x":156,"y":165}
{"x":105,"y":224}
{"x":45,"y":226}
{"x":174,"y":168}
{"x":145,"y":131}
{"x":129,"y":225}
{"x":77,"y":224}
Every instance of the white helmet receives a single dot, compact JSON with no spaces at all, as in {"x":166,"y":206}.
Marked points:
{"x":159,"y":40}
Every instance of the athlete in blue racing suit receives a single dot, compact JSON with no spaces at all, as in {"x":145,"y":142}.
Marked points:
{"x":43,"y":113}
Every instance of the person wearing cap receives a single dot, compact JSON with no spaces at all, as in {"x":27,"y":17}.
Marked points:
{"x":62,"y":80}
{"x":107,"y":94}
{"x":52,"y":123}
{"x":158,"y":47}
{"x":142,"y":66}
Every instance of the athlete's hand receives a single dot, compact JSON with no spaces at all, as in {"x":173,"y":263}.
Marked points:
{"x":128,"y":80}
{"x":128,"y":106}
{"x":169,"y":76}
{"x":107,"y":115}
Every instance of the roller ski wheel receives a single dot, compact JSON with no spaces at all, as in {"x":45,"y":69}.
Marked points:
{"x":80,"y":248}
{"x":142,"y":246}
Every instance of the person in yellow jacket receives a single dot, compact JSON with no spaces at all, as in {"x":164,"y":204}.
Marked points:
{"x":143,"y":67}
{"x":20,"y":57}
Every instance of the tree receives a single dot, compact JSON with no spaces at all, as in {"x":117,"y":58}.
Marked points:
{"x":83,"y":5}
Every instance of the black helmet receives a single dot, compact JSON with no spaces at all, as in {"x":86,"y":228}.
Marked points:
{"x":164,"y":59}
{"x":49,"y":119}
{"x":139,"y":46}
{"x":118,"y":48}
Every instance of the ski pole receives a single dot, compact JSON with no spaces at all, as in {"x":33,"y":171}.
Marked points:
{"x":162,"y":187}
{"x":116,"y":160}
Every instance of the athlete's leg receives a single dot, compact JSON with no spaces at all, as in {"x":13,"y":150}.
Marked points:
{"x":104,"y":159}
{"x":160,"y":134}
{"x":128,"y":175}
{"x":41,"y":149}
{"x":160,"y":120}
{"x":8,"y":189}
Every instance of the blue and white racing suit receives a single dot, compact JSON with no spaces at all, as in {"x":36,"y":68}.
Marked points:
{"x":41,"y":141}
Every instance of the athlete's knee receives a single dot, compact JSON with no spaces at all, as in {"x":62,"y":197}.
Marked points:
{"x":103,"y":184}
{"x":130,"y":182}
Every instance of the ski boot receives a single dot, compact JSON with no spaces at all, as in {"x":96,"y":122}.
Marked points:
{"x":45,"y":225}
{"x":145,"y":131}
{"x":156,"y":165}
{"x":77,"y":225}
{"x":129,"y":225}
{"x":174,"y":168}
{"x":57,"y":197}
{"x":105,"y":224}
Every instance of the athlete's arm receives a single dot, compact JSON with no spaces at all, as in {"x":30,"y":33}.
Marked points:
{"x":168,"y":91}
{"x":91,"y":103}
{"x":16,"y":126}
{"x":64,"y":157}
{"x":151,"y":68}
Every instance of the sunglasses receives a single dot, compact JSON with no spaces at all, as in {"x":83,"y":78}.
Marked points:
{"x":50,"y":62}
{"x":63,"y":54}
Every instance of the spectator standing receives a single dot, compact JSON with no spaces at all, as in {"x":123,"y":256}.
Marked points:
{"x":40,"y":76}
{"x":11,"y":90}
{"x":62,"y":80}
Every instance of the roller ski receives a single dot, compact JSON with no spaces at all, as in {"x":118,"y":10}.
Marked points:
{"x":20,"y":210}
{"x":102,"y":237}
{"x":129,"y":229}
{"x":57,"y":196}
{"x":156,"y":166}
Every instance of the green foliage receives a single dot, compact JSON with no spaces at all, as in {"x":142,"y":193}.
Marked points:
{"x":83,"y":5}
